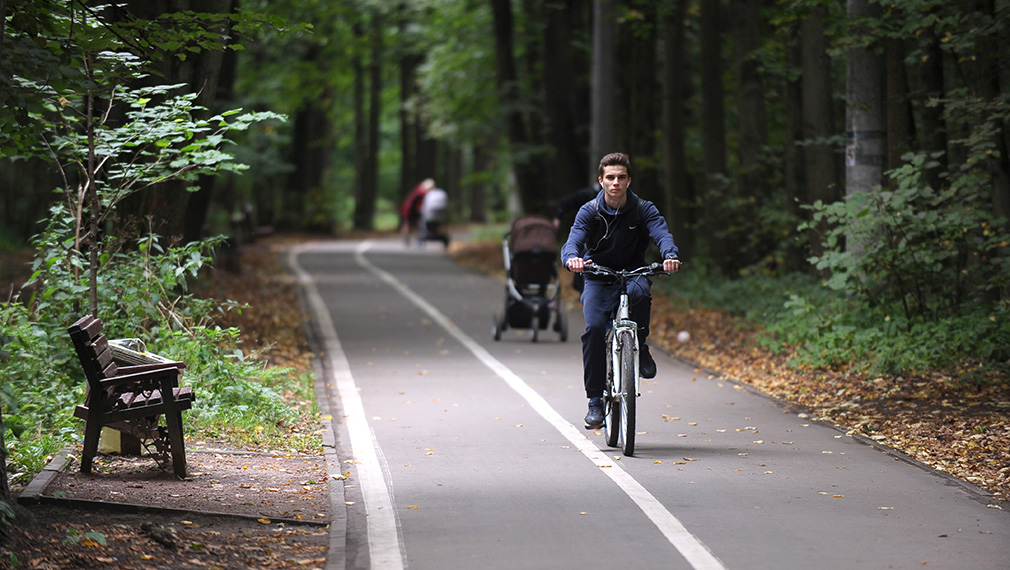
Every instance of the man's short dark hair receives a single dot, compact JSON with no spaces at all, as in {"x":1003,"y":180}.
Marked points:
{"x":615,"y":159}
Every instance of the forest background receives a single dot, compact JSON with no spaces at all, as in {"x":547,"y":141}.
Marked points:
{"x":837,"y":171}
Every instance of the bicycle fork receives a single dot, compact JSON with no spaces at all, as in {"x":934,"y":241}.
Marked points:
{"x":622,"y":324}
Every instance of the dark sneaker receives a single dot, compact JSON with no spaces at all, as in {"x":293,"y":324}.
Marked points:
{"x":646,"y":365}
{"x":594,"y":419}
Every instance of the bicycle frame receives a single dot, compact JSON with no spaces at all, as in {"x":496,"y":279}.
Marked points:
{"x":622,"y":323}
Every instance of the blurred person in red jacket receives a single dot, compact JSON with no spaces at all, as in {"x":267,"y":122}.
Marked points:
{"x":410,"y":211}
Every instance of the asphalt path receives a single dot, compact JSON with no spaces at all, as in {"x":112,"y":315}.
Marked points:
{"x":462,"y":452}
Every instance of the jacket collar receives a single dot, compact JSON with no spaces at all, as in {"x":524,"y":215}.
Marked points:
{"x":629,"y":204}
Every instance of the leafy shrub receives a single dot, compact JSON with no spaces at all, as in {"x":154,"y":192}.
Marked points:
{"x":841,"y":333}
{"x":929,"y":252}
{"x":38,"y":391}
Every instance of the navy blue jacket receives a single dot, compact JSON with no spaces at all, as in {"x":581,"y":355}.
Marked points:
{"x":618,"y":239}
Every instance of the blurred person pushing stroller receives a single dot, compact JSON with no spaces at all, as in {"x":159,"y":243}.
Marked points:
{"x":410,"y":210}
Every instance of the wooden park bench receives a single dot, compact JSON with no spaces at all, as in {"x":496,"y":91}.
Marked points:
{"x":129,"y":398}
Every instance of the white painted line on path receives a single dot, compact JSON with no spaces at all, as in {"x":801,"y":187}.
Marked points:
{"x":697,"y":554}
{"x":384,"y":544}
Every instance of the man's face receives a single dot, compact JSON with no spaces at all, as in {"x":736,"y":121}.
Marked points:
{"x":615,"y":182}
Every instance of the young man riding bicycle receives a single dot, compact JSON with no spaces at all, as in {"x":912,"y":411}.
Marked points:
{"x":614,"y":230}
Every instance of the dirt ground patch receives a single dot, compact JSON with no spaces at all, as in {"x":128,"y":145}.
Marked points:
{"x":57,"y":537}
{"x":235,"y":509}
{"x":253,"y":484}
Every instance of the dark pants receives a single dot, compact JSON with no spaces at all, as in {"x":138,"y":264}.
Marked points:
{"x":598,"y":300}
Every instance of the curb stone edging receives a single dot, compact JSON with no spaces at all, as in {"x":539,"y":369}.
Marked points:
{"x":32,"y":494}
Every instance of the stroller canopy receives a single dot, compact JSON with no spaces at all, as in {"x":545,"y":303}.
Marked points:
{"x":533,"y":234}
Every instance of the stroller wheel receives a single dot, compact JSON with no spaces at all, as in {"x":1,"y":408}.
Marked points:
{"x":495,"y":328}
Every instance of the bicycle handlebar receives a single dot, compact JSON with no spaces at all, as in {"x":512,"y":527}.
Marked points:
{"x":647,"y":270}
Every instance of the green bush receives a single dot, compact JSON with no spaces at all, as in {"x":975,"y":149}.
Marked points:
{"x":928,"y":252}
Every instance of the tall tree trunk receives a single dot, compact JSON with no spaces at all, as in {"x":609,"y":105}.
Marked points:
{"x":750,"y":97}
{"x":637,"y":103}
{"x":453,"y":176}
{"x":427,"y":153}
{"x":714,"y":130}
{"x":5,"y":490}
{"x":821,"y":164}
{"x":311,"y":145}
{"x":900,"y":123}
{"x":94,"y":206}
{"x":198,"y":204}
{"x":559,"y":79}
{"x":795,"y":170}
{"x":603,"y":123}
{"x":677,"y":198}
{"x":928,"y":80}
{"x":3,"y":24}
{"x":408,"y":124}
{"x":364,"y":206}
{"x":360,"y":124}
{"x":166,"y":205}
{"x":865,"y":153}
{"x":478,"y":189}
{"x":979,"y":66}
{"x":752,"y":185}
{"x":527,"y":169}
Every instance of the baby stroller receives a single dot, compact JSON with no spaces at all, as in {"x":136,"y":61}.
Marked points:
{"x":532,"y":291}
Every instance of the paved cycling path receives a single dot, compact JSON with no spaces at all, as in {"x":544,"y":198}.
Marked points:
{"x":469,"y":453}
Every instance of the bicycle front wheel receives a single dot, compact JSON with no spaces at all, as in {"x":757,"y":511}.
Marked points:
{"x":627,"y":393}
{"x":611,"y":399}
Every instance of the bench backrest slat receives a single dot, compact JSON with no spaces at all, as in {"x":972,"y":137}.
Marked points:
{"x":101,"y":354}
{"x":93,"y":349}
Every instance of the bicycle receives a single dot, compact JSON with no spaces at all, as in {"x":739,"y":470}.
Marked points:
{"x":623,"y":382}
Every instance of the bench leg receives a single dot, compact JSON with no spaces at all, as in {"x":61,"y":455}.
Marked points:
{"x":92,"y":432}
{"x":176,"y":442}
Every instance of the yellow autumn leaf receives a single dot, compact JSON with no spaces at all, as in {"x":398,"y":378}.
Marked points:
{"x":263,"y":520}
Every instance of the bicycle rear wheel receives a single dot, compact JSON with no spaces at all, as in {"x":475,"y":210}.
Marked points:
{"x":627,"y":393}
{"x":611,"y":399}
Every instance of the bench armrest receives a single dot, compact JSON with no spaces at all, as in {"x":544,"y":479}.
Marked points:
{"x":150,"y":367}
{"x":119,"y":379}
